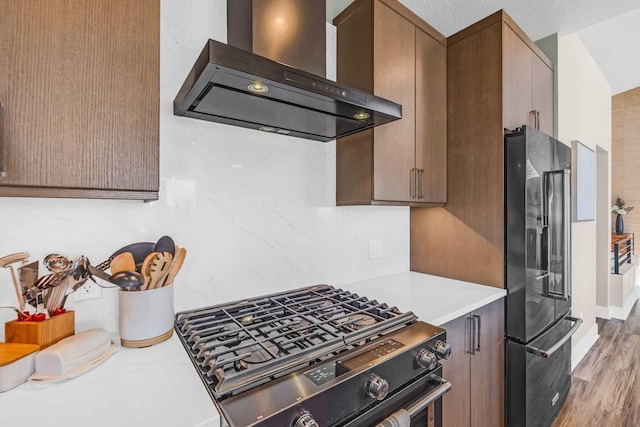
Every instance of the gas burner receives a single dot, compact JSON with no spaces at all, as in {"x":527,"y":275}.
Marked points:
{"x":258,"y":355}
{"x":326,"y":309}
{"x":246,"y":320}
{"x":230,"y":330}
{"x":358,"y":321}
{"x":297,"y":323}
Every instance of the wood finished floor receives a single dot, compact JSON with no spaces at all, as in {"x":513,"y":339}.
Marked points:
{"x":605,"y":388}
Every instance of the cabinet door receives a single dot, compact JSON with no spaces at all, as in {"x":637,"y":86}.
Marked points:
{"x":487,"y":368}
{"x":542,"y":94}
{"x":431,"y":118}
{"x":394,"y":79}
{"x":81,"y":102}
{"x":456,"y":404}
{"x":516,"y":74}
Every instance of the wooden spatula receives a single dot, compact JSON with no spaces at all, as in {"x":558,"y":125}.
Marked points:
{"x":158,"y":269}
{"x":123,"y":262}
{"x":144,"y":270}
{"x":178,"y":259}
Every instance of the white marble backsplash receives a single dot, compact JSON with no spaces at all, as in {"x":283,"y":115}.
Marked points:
{"x":256,"y":211}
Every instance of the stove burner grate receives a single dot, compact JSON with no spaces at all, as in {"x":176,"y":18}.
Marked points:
{"x":247,"y":342}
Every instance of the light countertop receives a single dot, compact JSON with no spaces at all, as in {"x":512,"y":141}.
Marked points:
{"x":433,"y":299}
{"x":158,"y":385}
{"x":154,"y":386}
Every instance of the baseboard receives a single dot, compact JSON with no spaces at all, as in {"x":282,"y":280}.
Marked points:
{"x":614,"y":312}
{"x":603,"y":312}
{"x":580,"y":348}
{"x":623,"y":312}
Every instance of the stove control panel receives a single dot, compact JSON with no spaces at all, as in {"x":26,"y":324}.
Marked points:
{"x":327,"y":372}
{"x":322,"y":374}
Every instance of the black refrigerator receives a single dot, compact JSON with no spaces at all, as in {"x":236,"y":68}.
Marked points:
{"x":538,"y":323}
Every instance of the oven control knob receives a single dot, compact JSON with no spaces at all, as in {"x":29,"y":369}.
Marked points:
{"x":378,"y":388}
{"x":427,"y":359}
{"x":442,"y":349}
{"x":305,"y":420}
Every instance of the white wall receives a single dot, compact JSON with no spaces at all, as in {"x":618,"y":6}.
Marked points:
{"x":256,"y":211}
{"x":603,"y":251}
{"x":584,"y":114}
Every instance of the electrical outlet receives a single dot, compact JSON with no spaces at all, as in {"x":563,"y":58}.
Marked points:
{"x":375,"y":249}
{"x":87,"y":292}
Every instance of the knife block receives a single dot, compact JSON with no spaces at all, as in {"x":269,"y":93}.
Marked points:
{"x":44,"y":334}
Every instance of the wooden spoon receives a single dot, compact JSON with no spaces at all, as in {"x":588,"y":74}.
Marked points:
{"x":158,"y":269}
{"x":178,"y":259}
{"x":123,"y":262}
{"x":144,"y":270}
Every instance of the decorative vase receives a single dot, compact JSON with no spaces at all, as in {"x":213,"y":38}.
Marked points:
{"x":619,"y":225}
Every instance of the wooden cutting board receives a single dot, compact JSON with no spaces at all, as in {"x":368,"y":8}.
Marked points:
{"x":10,"y":352}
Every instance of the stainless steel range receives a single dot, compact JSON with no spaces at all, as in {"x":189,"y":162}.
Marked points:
{"x":317,"y":356}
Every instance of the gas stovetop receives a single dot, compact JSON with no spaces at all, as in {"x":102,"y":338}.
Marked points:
{"x":317,"y":353}
{"x":237,"y":345}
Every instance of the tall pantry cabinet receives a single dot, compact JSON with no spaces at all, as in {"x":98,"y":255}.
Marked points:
{"x":498,"y":79}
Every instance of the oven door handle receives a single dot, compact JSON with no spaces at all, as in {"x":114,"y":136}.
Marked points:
{"x":418,"y":406}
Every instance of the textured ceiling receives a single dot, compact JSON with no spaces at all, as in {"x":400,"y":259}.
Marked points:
{"x":615,"y":46}
{"x":538,"y":18}
{"x":610,"y":29}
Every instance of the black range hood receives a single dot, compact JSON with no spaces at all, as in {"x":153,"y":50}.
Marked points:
{"x":232,"y":84}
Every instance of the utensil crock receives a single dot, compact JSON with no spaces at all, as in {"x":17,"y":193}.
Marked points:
{"x":146,"y":317}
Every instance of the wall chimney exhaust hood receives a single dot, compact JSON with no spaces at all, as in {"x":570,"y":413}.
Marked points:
{"x":233,"y":84}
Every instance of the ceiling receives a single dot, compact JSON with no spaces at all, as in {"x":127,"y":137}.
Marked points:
{"x":615,"y":46}
{"x":610,"y":41}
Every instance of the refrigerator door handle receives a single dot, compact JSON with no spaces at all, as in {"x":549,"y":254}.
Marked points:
{"x":543,"y":228}
{"x":549,"y":352}
{"x":566,"y":258}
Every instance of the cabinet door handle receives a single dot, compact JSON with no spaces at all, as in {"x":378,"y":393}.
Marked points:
{"x":532,"y":118}
{"x":471,"y":326}
{"x":537,"y":119}
{"x":412,"y":183}
{"x":3,"y":130}
{"x":476,"y":320}
{"x":421,"y":183}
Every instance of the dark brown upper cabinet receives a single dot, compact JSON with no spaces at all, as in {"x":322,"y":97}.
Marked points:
{"x":385,"y":49}
{"x":79,"y":89}
{"x":530,"y":89}
{"x":496,"y":77}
